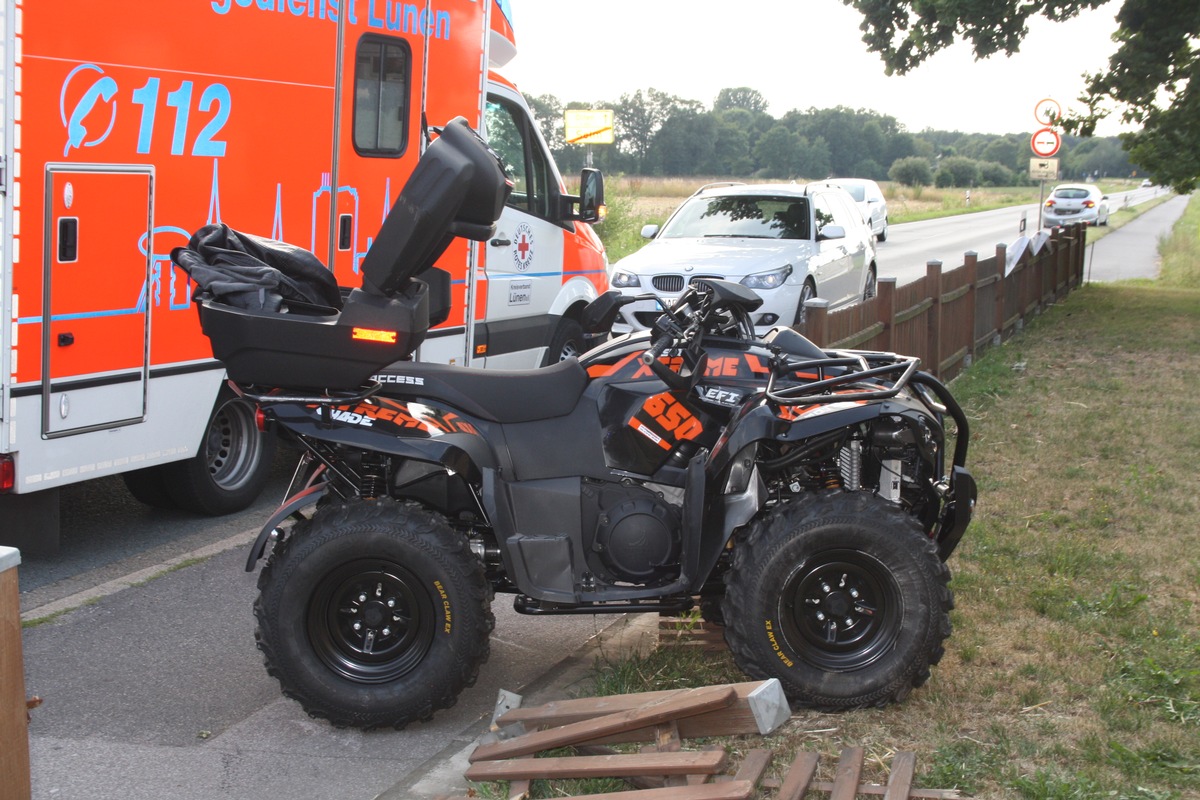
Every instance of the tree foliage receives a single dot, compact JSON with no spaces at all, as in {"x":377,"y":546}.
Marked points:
{"x":661,"y":134}
{"x":912,"y":171}
{"x":1153,"y":79}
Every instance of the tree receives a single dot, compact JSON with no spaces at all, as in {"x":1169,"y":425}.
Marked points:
{"x":638,"y":118}
{"x":911,"y":171}
{"x":778,"y":151}
{"x":741,"y":97}
{"x":958,"y":171}
{"x":1153,"y":78}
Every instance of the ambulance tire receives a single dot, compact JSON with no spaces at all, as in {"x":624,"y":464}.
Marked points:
{"x":567,"y":342}
{"x":148,"y":486}
{"x":232,"y":465}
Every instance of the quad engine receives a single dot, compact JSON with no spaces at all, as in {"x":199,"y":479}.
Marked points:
{"x":634,"y":533}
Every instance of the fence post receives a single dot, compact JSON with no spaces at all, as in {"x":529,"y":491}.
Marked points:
{"x":971,"y":265}
{"x":1001,"y":266}
{"x":14,"y":727}
{"x":885,"y":300}
{"x":933,"y":289}
{"x":816,"y":321}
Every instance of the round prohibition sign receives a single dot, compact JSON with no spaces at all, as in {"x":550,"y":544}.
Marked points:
{"x":1047,"y":112}
{"x":1045,"y":142}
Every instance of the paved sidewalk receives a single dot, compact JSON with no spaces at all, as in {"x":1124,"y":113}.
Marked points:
{"x":1131,"y":251}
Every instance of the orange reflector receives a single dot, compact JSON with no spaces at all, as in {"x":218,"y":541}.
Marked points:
{"x":372,"y":335}
{"x":480,"y":349}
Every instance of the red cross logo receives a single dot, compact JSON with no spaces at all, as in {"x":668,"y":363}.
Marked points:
{"x":523,"y":250}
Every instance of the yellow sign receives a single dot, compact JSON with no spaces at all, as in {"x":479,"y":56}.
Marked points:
{"x":588,"y":126}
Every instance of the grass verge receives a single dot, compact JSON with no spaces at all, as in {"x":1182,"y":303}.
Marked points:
{"x":1074,"y":667}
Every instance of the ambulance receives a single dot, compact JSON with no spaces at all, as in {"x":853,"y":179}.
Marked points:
{"x":128,"y":125}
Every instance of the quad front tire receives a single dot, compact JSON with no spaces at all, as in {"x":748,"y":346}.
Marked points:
{"x":842,"y":597}
{"x":374,"y":614}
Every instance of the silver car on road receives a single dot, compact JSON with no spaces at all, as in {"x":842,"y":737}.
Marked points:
{"x":1075,"y":202}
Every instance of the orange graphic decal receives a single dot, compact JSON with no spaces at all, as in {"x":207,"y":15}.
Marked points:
{"x":665,"y":420}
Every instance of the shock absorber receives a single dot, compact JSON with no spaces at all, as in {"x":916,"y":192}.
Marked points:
{"x":373,"y":476}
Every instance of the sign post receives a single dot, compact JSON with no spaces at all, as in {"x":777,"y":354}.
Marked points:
{"x":1045,"y":143}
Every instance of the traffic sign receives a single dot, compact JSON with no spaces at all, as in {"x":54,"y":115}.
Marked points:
{"x":1043,"y":169}
{"x":1047,"y":112}
{"x":1045,"y":142}
{"x":588,"y":126}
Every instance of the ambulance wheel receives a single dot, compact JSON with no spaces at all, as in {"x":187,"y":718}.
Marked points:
{"x":232,"y":465}
{"x":567,"y":342}
{"x":374,"y":614}
{"x":842,"y":597}
{"x":148,"y":486}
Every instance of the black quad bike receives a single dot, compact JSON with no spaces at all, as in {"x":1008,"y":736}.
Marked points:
{"x":805,"y":498}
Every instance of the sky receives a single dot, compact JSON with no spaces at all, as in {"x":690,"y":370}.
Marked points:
{"x":798,"y":54}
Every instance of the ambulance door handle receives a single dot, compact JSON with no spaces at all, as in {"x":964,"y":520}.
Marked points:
{"x":500,"y":242}
{"x":66,"y":339}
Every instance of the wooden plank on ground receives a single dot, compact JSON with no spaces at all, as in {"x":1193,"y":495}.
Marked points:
{"x":734,"y":790}
{"x":753,"y":765}
{"x":638,"y":781}
{"x":876,"y":789}
{"x":687,"y":703}
{"x":613,"y":766}
{"x":738,"y":718}
{"x":845,"y":779}
{"x":904,"y":764}
{"x":799,"y":776}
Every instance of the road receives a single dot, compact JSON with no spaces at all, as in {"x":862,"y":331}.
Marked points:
{"x":912,"y":244}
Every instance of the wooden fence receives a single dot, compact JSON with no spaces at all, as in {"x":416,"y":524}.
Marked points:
{"x":947,"y":318}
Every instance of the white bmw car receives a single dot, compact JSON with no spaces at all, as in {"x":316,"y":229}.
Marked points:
{"x":787,"y":242}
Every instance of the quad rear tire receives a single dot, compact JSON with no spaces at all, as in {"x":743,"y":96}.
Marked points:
{"x":374,"y":614}
{"x":842,"y":597}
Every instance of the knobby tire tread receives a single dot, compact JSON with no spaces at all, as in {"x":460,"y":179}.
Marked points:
{"x":429,"y":532}
{"x":774,"y":531}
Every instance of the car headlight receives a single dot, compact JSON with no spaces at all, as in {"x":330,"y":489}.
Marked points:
{"x":624,"y":280}
{"x":767,"y":280}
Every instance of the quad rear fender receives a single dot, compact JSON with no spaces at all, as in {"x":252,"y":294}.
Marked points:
{"x":463,"y":452}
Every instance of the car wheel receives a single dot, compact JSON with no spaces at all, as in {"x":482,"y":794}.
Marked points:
{"x":882,"y":235}
{"x":872,"y":287}
{"x":807,"y":293}
{"x":567,"y":342}
{"x":232,"y":465}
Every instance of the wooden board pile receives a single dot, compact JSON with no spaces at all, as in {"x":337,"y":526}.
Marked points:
{"x":662,"y":769}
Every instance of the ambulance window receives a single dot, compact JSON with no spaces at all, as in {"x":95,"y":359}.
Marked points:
{"x":525,"y":162}
{"x":381,"y":91}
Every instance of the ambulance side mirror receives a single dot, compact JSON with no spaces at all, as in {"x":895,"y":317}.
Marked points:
{"x":591,"y":197}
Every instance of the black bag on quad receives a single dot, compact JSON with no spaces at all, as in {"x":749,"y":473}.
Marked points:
{"x":808,"y":498}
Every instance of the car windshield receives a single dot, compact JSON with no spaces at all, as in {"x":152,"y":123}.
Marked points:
{"x":756,"y":217}
{"x":1071,"y":194}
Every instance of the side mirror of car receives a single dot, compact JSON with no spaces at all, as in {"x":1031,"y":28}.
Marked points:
{"x":649,"y":231}
{"x":590,"y":199}
{"x":831,"y":232}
